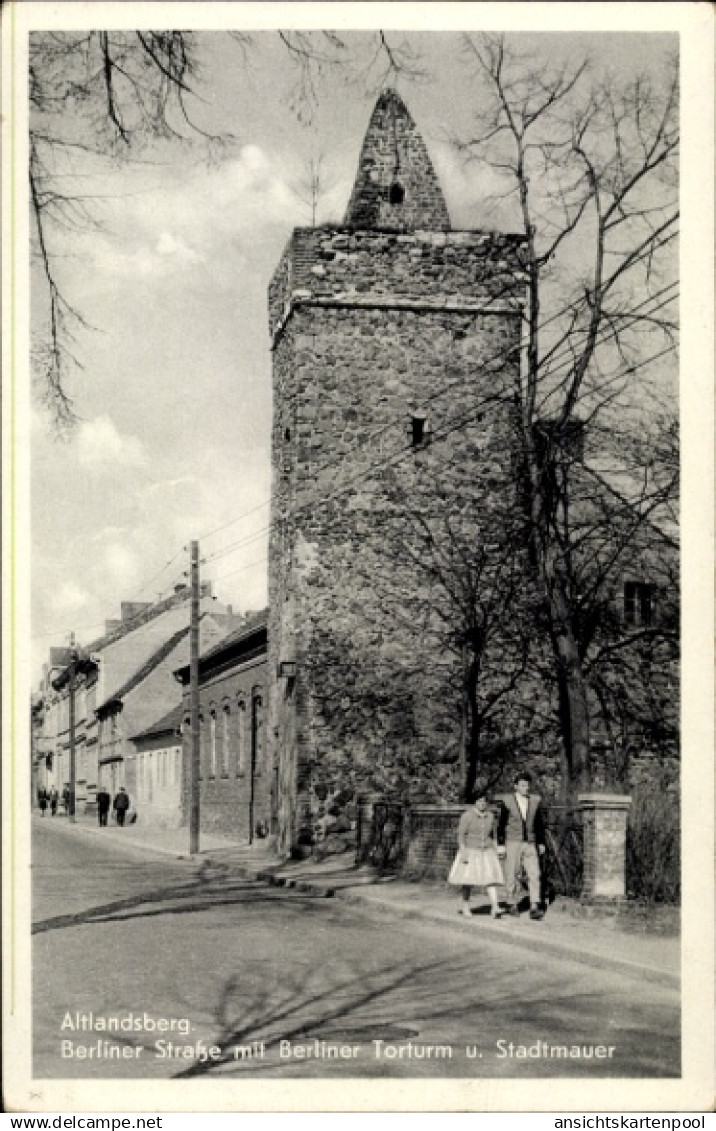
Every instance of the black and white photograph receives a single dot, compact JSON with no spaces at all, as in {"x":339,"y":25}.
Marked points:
{"x":358,"y":491}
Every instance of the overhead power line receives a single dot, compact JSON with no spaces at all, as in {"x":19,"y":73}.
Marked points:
{"x":449,"y":386}
{"x":397,"y":455}
{"x":479,"y":404}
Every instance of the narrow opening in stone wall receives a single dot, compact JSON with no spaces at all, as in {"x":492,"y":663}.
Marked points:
{"x":419,"y":432}
{"x":397,"y":193}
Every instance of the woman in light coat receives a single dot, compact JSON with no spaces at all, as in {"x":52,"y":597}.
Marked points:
{"x":477,"y":863}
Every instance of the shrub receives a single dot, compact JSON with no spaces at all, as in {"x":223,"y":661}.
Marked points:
{"x":653,"y":849}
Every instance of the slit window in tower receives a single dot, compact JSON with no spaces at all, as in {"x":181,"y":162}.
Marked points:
{"x":419,"y":431}
{"x":397,"y":193}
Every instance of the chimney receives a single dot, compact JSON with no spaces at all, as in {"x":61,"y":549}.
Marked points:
{"x":131,"y":609}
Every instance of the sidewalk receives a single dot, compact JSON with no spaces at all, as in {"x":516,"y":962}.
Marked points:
{"x":619,"y":943}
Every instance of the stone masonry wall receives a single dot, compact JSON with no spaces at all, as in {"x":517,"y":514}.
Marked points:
{"x":426,"y":326}
{"x":418,"y":268}
{"x":395,"y":186}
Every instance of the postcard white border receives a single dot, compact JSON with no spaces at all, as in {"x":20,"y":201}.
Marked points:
{"x":694,"y":1090}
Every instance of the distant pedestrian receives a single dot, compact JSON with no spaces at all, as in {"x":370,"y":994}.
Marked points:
{"x":42,"y":802}
{"x":66,"y":799}
{"x":54,"y":798}
{"x":121,"y":805}
{"x":103,"y":803}
{"x":477,"y":863}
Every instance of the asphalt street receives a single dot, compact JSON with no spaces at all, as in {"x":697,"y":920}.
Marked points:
{"x":162,"y":968}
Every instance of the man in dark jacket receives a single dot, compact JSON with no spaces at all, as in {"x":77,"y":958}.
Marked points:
{"x":103,"y":803}
{"x":121,"y":805}
{"x":520,"y":839}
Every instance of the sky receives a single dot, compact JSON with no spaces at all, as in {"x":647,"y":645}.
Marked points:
{"x":174,"y":399}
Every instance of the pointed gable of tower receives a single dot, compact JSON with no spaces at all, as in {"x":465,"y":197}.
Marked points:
{"x":396,"y":186}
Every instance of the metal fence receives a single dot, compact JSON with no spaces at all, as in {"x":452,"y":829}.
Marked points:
{"x":563,"y":860}
{"x":419,"y":841}
{"x":381,"y":833}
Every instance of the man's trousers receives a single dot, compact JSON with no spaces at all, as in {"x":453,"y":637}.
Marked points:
{"x":520,"y":854}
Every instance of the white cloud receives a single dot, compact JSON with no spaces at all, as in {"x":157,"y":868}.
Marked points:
{"x":186,"y":221}
{"x":162,"y":485}
{"x":122,"y":567}
{"x":172,"y":248}
{"x":108,"y":532}
{"x":478,"y":196}
{"x":99,"y":444}
{"x":68,"y":598}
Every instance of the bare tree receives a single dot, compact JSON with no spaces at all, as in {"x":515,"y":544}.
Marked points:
{"x":454,"y":577}
{"x":313,"y":183}
{"x":103,"y":96}
{"x":94,"y":96}
{"x":591,"y":167}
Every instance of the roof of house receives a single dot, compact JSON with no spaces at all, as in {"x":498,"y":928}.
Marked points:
{"x":135,"y":676}
{"x":83,"y":665}
{"x":136,"y":614}
{"x":231,"y":643}
{"x":168,"y":724}
{"x":146,"y":668}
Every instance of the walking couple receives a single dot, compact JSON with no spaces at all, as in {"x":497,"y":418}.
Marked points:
{"x":514,"y":840}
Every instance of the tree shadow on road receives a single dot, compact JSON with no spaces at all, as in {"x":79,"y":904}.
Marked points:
{"x":420,"y":1002}
{"x":359,"y":996}
{"x":206,"y":890}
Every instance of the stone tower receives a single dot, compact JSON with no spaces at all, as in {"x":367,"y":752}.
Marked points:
{"x":395,"y":350}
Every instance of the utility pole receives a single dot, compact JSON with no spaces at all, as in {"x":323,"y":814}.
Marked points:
{"x":463,"y":720}
{"x":73,"y":666}
{"x":195,"y":756}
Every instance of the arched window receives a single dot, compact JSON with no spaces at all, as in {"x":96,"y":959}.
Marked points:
{"x":241,"y":736}
{"x":202,"y":748}
{"x":225,"y":740}
{"x":257,"y":726}
{"x":212,"y":741}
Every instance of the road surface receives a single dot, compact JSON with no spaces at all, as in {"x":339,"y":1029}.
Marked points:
{"x":157,"y":968}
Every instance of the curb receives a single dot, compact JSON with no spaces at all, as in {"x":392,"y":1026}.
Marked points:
{"x":571,"y":951}
{"x":142,"y":846}
{"x":350,"y":893}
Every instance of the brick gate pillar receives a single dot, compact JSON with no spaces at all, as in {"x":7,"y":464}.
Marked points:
{"x":604,"y":821}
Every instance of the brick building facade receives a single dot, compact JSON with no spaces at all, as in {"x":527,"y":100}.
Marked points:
{"x":236,"y":781}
